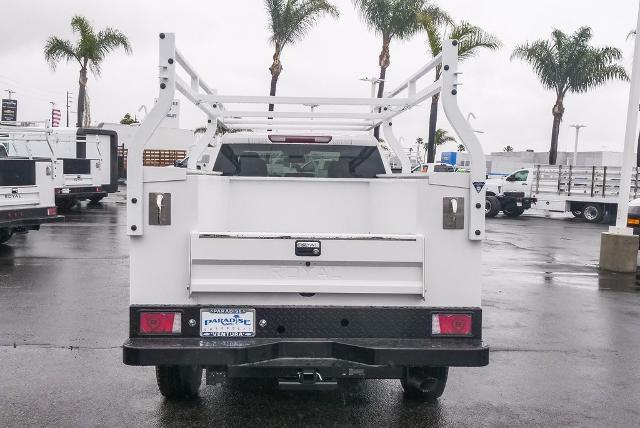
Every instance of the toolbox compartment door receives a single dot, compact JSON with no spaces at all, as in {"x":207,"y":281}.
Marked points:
{"x":18,"y":183}
{"x":277,"y":263}
{"x":77,"y":172}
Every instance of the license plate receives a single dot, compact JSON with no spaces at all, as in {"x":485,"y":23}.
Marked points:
{"x":227,"y":322}
{"x":65,"y":190}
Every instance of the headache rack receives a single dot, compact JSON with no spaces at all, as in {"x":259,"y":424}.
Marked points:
{"x":366,"y":114}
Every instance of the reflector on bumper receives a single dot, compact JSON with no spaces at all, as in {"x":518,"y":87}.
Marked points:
{"x":160,"y":322}
{"x":451,"y":324}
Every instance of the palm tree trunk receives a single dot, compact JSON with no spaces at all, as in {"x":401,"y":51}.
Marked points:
{"x":433,"y":121}
{"x":558,"y":112}
{"x":82,"y":84}
{"x":383,"y":60}
{"x":383,"y":73}
{"x":275,"y":69}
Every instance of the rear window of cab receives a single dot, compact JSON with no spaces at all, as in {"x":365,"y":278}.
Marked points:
{"x":299,"y":160}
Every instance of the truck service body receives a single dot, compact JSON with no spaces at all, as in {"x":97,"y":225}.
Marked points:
{"x":85,"y":159}
{"x":26,"y":193}
{"x":296,"y":255}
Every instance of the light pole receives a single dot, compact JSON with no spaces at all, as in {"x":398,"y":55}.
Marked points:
{"x":10,"y":92}
{"x":68,"y":105}
{"x":574,"y":161}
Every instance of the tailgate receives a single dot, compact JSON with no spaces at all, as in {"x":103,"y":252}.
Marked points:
{"x":15,"y":196}
{"x":77,"y":172}
{"x":276,"y":263}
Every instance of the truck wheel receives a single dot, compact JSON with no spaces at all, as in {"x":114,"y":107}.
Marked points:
{"x":179,"y":382}
{"x":593,"y":213}
{"x":491,"y":206}
{"x":5,"y":234}
{"x":577,"y":213}
{"x":513,"y":211}
{"x":66,"y":204}
{"x":96,"y":199}
{"x":424,"y":383}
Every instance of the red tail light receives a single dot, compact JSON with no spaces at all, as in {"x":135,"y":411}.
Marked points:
{"x":300,"y":138}
{"x":52,"y":211}
{"x":58,"y":190}
{"x":160,"y":322}
{"x":451,"y":324}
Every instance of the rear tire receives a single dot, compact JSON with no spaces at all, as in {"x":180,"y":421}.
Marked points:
{"x":424,"y":383}
{"x":491,"y":206}
{"x":5,"y":234}
{"x":593,"y":213}
{"x":66,"y":204}
{"x":96,"y":199}
{"x":513,"y":211}
{"x":179,"y":382}
{"x":577,"y":213}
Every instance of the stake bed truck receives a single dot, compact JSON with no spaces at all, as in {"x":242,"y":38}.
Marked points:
{"x":299,"y":256}
{"x":589,"y":192}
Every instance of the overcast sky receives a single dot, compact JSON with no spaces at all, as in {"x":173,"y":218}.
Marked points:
{"x":228,"y":42}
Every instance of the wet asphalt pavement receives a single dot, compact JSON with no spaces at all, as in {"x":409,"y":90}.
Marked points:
{"x":565,"y":340}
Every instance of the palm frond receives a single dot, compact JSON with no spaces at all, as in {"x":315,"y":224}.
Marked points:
{"x":431,"y":22}
{"x":291,"y":20}
{"x":442,"y":137}
{"x":391,"y":19}
{"x":107,"y":41}
{"x":568,"y":63}
{"x":471,"y":38}
{"x":540,"y":56}
{"x":56,"y":50}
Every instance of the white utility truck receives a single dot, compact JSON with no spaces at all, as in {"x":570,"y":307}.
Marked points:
{"x":26,"y":193}
{"x":299,"y":257}
{"x":589,"y":192}
{"x":85,"y":159}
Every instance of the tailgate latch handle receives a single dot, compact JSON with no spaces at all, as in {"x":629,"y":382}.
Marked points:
{"x":308,"y":248}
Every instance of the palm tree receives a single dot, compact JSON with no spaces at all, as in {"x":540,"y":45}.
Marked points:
{"x":441,"y":137}
{"x":89,"y":51}
{"x":507,"y":149}
{"x":461,"y":148}
{"x":568,"y":63}
{"x":471,"y":39}
{"x":394,"y":19}
{"x":291,"y":20}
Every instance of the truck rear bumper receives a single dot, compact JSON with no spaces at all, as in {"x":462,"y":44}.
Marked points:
{"x":299,"y":352}
{"x":80,"y":192}
{"x":27,"y":217}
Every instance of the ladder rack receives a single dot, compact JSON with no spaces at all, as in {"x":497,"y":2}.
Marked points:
{"x":234,"y":112}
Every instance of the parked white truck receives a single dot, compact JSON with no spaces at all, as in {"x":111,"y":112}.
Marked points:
{"x":589,"y":192}
{"x":85,"y":160}
{"x":26,"y":193}
{"x":299,"y":257}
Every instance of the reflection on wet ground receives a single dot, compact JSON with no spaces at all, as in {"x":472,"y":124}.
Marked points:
{"x":564,"y":338}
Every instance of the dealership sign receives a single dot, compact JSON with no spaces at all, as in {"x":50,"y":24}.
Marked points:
{"x":9,"y":110}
